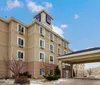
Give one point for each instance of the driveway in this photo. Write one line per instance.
(79, 82)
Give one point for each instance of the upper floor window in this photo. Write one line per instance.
(42, 56)
(42, 43)
(58, 51)
(20, 55)
(51, 36)
(52, 59)
(65, 45)
(20, 42)
(42, 31)
(59, 41)
(41, 71)
(51, 47)
(65, 52)
(21, 29)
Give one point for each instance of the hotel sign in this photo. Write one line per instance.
(48, 19)
(38, 17)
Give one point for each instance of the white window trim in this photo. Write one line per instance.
(64, 45)
(39, 56)
(50, 61)
(22, 39)
(23, 54)
(53, 47)
(43, 41)
(43, 72)
(18, 28)
(65, 51)
(60, 50)
(42, 28)
(50, 36)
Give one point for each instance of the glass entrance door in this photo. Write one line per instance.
(67, 74)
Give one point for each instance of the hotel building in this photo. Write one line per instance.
(32, 43)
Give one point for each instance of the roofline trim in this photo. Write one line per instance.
(28, 25)
(78, 54)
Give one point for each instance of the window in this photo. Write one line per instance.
(52, 59)
(41, 71)
(65, 44)
(20, 42)
(20, 55)
(58, 51)
(59, 41)
(65, 52)
(21, 29)
(42, 56)
(42, 43)
(51, 37)
(42, 31)
(51, 47)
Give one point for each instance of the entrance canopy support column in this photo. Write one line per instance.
(71, 70)
(60, 67)
(76, 70)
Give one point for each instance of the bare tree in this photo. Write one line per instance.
(14, 65)
(46, 68)
(90, 72)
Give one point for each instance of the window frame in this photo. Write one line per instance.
(43, 33)
(50, 48)
(60, 51)
(42, 72)
(52, 36)
(64, 52)
(51, 62)
(18, 41)
(23, 55)
(65, 45)
(39, 43)
(39, 56)
(23, 29)
(59, 41)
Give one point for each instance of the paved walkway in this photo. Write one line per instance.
(60, 82)
(79, 82)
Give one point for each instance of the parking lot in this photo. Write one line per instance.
(80, 82)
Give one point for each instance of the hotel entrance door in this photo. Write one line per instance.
(67, 74)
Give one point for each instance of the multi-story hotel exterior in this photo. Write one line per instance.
(32, 43)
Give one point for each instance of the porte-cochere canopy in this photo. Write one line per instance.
(77, 57)
(83, 56)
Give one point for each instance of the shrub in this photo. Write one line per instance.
(25, 74)
(56, 75)
(8, 78)
(22, 80)
(51, 77)
(57, 71)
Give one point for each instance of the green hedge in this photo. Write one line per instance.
(51, 77)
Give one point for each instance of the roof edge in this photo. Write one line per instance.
(44, 12)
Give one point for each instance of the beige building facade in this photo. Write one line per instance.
(33, 43)
(95, 72)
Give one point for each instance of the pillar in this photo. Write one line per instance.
(60, 67)
(76, 70)
(71, 70)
